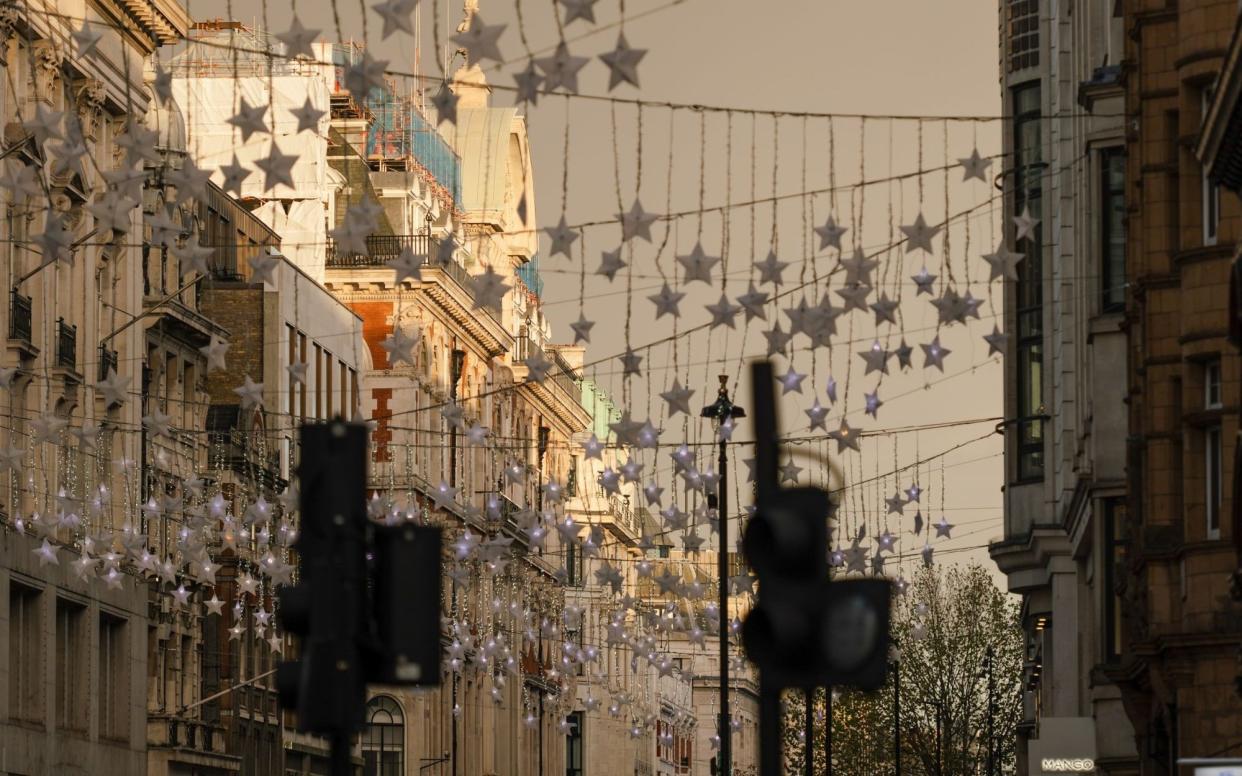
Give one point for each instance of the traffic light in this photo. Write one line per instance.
(805, 631)
(406, 574)
(329, 608)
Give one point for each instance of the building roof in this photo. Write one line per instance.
(482, 137)
(1220, 142)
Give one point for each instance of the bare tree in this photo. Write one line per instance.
(949, 627)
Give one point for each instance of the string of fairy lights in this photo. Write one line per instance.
(104, 511)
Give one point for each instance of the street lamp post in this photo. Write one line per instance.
(719, 411)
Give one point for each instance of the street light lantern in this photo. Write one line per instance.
(723, 407)
(719, 411)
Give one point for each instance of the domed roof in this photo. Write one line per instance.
(166, 121)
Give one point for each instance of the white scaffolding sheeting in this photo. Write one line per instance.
(295, 212)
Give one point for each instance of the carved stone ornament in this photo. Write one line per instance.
(47, 72)
(8, 27)
(89, 98)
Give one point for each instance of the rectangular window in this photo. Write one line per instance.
(343, 373)
(317, 411)
(1022, 19)
(1029, 377)
(573, 745)
(1211, 386)
(573, 564)
(70, 665)
(25, 654)
(1114, 514)
(1211, 191)
(302, 389)
(1113, 229)
(113, 692)
(291, 335)
(1212, 479)
(328, 402)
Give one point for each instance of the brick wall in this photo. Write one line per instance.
(237, 307)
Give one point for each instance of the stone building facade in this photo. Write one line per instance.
(1181, 630)
(1065, 425)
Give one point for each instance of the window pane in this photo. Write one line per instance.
(1113, 232)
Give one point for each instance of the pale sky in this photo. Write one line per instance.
(902, 57)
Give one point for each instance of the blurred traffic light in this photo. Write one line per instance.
(367, 604)
(328, 608)
(805, 630)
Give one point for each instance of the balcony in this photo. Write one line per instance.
(20, 316)
(562, 374)
(107, 362)
(383, 248)
(66, 345)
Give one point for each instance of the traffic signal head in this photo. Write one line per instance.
(806, 631)
(406, 575)
(328, 608)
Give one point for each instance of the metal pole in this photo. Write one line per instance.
(722, 516)
(769, 729)
(809, 732)
(991, 740)
(897, 715)
(341, 754)
(828, 731)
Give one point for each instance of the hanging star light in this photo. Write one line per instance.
(1003, 263)
(846, 437)
(610, 264)
(114, 388)
(791, 381)
(667, 302)
(248, 119)
(563, 239)
(723, 312)
(308, 117)
(582, 329)
(277, 168)
(234, 175)
(623, 63)
(997, 341)
(529, 82)
(919, 235)
(698, 265)
(298, 39)
(678, 398)
(771, 269)
(975, 166)
(934, 354)
(561, 69)
(630, 362)
(876, 358)
(480, 40)
(445, 101)
(1025, 225)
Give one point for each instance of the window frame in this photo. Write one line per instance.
(1112, 282)
(1028, 290)
(383, 704)
(1209, 189)
(1113, 514)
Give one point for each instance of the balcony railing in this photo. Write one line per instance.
(107, 361)
(562, 373)
(20, 316)
(383, 248)
(66, 344)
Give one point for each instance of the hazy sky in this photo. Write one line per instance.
(823, 56)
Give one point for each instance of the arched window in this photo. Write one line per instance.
(383, 742)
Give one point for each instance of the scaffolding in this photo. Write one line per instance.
(219, 48)
(400, 137)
